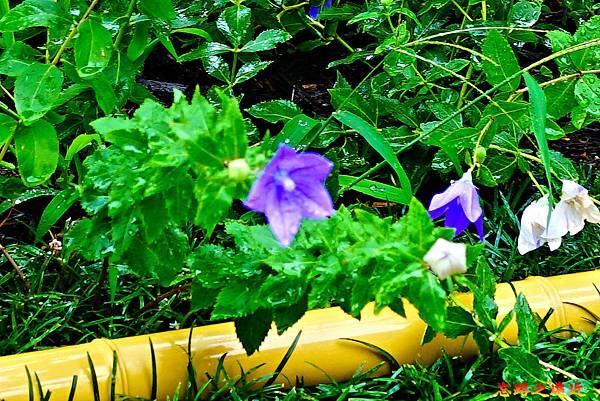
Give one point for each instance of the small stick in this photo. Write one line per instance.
(15, 266)
(168, 294)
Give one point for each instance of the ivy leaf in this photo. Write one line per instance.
(503, 62)
(275, 111)
(252, 329)
(36, 147)
(37, 90)
(266, 40)
(93, 48)
(522, 366)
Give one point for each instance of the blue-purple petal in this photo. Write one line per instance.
(456, 218)
(314, 201)
(313, 12)
(479, 227)
(283, 215)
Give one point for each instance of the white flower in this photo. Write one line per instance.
(574, 209)
(446, 258)
(533, 232)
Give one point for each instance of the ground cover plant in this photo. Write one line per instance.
(173, 163)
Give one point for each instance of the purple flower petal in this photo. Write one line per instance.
(327, 4)
(440, 200)
(456, 218)
(469, 201)
(308, 166)
(283, 216)
(314, 201)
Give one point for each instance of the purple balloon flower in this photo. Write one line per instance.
(314, 11)
(460, 204)
(291, 187)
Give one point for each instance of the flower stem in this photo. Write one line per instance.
(73, 32)
(123, 26)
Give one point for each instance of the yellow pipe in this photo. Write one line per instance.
(319, 344)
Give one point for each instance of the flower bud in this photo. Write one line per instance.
(238, 170)
(446, 258)
(480, 154)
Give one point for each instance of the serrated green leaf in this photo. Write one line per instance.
(526, 322)
(235, 23)
(587, 92)
(560, 98)
(503, 62)
(522, 366)
(275, 111)
(252, 330)
(427, 294)
(250, 70)
(458, 322)
(266, 40)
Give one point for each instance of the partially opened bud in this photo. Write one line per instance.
(446, 258)
(238, 170)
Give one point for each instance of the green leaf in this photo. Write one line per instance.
(428, 296)
(217, 67)
(587, 92)
(563, 167)
(235, 23)
(296, 130)
(93, 48)
(250, 70)
(537, 110)
(375, 189)
(522, 366)
(458, 322)
(380, 144)
(252, 330)
(7, 128)
(80, 142)
(266, 40)
(275, 111)
(16, 59)
(560, 98)
(36, 147)
(504, 63)
(31, 13)
(57, 207)
(37, 90)
(159, 9)
(139, 40)
(528, 330)
(103, 92)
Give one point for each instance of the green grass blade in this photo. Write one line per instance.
(29, 385)
(284, 360)
(389, 358)
(95, 386)
(381, 145)
(113, 378)
(537, 111)
(154, 391)
(73, 388)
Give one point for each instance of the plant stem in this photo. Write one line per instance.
(74, 30)
(123, 26)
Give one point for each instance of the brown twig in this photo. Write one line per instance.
(15, 266)
(174, 291)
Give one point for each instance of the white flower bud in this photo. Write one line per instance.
(447, 258)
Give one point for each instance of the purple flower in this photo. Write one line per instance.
(313, 11)
(460, 204)
(291, 187)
